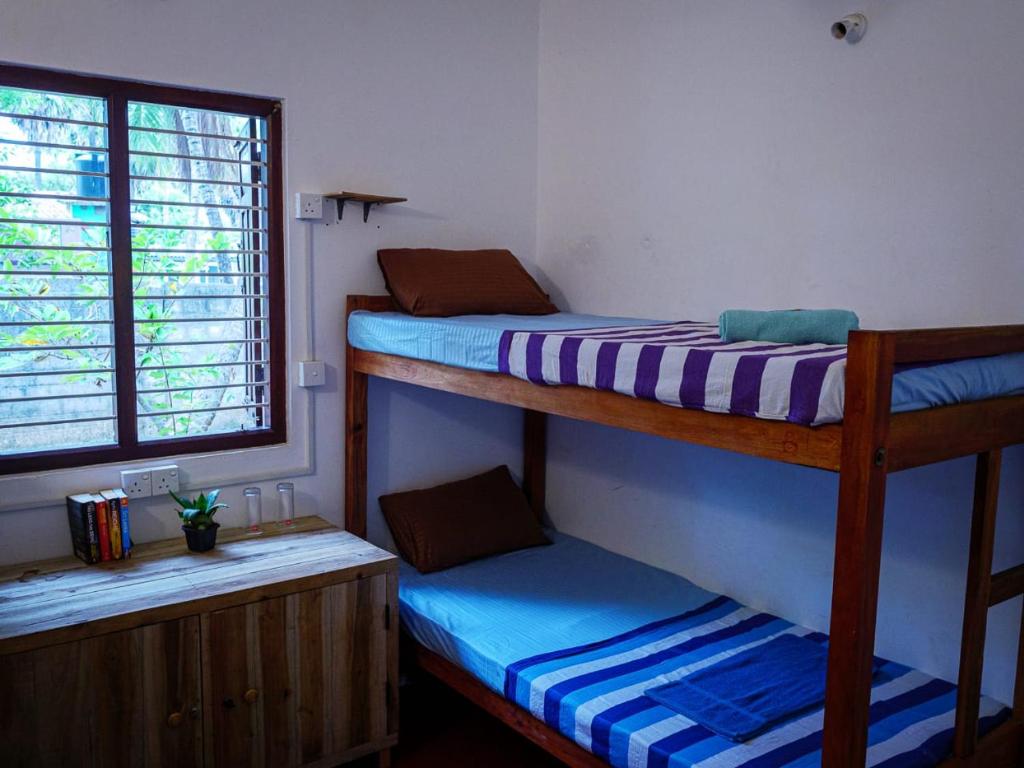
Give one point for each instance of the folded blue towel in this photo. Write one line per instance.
(749, 693)
(788, 326)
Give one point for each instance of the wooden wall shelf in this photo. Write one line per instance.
(361, 197)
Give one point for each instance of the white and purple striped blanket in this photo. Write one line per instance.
(686, 364)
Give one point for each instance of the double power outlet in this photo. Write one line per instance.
(150, 481)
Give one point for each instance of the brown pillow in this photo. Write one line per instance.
(454, 523)
(429, 282)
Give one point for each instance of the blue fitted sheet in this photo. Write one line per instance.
(486, 614)
(466, 341)
(581, 633)
(471, 341)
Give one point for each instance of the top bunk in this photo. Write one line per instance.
(934, 394)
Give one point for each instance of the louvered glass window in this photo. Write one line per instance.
(141, 311)
(57, 353)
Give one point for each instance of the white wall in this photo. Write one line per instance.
(699, 155)
(434, 100)
(692, 156)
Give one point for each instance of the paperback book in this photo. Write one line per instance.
(99, 526)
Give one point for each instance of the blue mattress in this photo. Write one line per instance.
(466, 341)
(472, 341)
(571, 632)
(538, 600)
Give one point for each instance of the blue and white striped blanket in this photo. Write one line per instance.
(687, 364)
(594, 695)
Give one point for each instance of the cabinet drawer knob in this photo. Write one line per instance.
(251, 695)
(174, 719)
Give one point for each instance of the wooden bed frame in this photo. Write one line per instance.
(864, 449)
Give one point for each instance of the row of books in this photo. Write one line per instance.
(99, 525)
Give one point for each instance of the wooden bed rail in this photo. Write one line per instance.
(870, 444)
(933, 344)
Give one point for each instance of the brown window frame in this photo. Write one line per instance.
(118, 93)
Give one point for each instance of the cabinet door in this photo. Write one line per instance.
(298, 679)
(125, 699)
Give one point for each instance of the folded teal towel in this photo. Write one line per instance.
(789, 326)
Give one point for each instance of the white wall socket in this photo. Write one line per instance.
(309, 205)
(150, 481)
(165, 479)
(137, 483)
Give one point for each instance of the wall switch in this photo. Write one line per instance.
(309, 205)
(137, 483)
(312, 373)
(165, 479)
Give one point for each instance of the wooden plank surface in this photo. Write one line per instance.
(171, 693)
(393, 632)
(355, 428)
(356, 399)
(858, 550)
(1018, 688)
(358, 673)
(937, 434)
(305, 681)
(228, 645)
(1000, 748)
(931, 344)
(535, 454)
(517, 718)
(125, 698)
(781, 441)
(976, 602)
(1007, 585)
(57, 601)
(365, 197)
(155, 550)
(917, 438)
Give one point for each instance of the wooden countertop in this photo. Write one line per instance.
(63, 600)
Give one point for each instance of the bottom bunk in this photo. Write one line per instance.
(577, 637)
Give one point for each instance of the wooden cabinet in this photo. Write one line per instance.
(132, 697)
(305, 676)
(286, 656)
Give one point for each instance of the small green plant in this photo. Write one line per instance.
(198, 512)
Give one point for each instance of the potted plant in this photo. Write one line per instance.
(197, 520)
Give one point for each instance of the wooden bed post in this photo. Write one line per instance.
(356, 386)
(976, 602)
(535, 453)
(1018, 686)
(862, 477)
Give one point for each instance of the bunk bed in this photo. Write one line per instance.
(870, 443)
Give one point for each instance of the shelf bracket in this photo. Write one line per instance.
(367, 200)
(366, 209)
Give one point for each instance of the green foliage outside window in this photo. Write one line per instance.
(70, 335)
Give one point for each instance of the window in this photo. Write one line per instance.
(141, 271)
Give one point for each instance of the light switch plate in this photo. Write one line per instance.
(312, 373)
